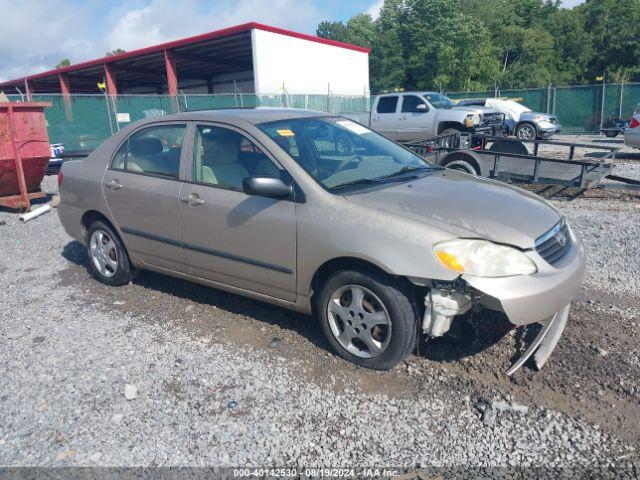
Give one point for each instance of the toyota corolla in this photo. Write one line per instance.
(377, 243)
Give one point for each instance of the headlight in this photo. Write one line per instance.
(482, 258)
(472, 120)
(541, 118)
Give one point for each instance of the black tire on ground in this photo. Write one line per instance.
(124, 271)
(461, 161)
(526, 131)
(395, 298)
(611, 133)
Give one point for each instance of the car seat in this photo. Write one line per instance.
(220, 157)
(146, 156)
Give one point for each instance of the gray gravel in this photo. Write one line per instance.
(610, 230)
(155, 374)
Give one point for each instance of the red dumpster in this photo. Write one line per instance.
(24, 152)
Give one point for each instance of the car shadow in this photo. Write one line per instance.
(299, 323)
(469, 335)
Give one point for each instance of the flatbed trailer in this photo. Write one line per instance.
(513, 161)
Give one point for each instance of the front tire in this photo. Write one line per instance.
(526, 131)
(368, 318)
(108, 259)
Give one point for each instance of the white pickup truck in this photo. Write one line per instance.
(409, 116)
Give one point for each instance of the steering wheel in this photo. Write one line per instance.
(347, 161)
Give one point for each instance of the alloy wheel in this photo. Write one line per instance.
(103, 253)
(359, 321)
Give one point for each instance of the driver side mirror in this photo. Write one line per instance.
(271, 187)
(421, 108)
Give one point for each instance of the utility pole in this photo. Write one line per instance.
(603, 99)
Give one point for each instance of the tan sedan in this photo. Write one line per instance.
(378, 243)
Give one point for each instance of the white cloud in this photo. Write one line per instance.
(374, 10)
(164, 20)
(37, 34)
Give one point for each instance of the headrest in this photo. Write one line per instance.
(146, 146)
(219, 150)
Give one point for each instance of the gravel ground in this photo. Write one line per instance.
(162, 372)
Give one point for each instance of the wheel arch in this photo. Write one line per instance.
(347, 263)
(91, 216)
(526, 122)
(461, 155)
(442, 126)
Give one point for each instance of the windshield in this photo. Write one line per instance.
(438, 100)
(340, 154)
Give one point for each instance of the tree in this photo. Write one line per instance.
(117, 51)
(65, 62)
(480, 44)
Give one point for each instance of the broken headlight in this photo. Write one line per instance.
(482, 258)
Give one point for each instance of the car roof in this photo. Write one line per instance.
(251, 115)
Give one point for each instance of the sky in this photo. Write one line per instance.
(37, 34)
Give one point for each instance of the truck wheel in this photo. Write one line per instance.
(461, 161)
(108, 259)
(448, 131)
(368, 318)
(526, 131)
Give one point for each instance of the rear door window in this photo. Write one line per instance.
(153, 151)
(387, 104)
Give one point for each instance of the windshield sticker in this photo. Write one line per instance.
(285, 133)
(354, 127)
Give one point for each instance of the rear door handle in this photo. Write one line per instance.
(194, 200)
(113, 185)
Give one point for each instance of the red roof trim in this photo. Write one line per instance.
(225, 32)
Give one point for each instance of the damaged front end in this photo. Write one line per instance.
(445, 301)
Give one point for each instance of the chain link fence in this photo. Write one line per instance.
(579, 108)
(84, 121)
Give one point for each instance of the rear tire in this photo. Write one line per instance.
(368, 318)
(108, 259)
(462, 162)
(611, 133)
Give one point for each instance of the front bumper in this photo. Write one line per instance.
(546, 132)
(545, 342)
(534, 298)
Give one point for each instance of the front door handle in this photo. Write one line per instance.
(113, 185)
(194, 200)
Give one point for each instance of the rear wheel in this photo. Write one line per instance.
(108, 259)
(368, 318)
(526, 131)
(611, 133)
(462, 162)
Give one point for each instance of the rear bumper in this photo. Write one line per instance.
(71, 219)
(535, 298)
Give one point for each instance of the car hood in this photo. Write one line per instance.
(466, 206)
(532, 115)
(476, 109)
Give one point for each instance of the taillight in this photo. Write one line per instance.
(634, 123)
(60, 178)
